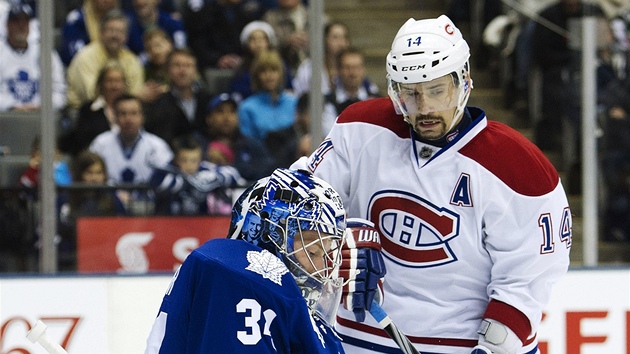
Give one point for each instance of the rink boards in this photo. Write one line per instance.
(588, 313)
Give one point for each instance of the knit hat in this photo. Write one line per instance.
(262, 26)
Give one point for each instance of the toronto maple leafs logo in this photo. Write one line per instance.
(23, 87)
(267, 265)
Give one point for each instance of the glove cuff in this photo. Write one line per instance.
(498, 337)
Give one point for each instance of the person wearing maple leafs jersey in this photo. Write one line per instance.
(272, 286)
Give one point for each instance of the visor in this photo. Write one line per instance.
(436, 95)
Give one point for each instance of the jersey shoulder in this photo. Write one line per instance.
(513, 159)
(248, 264)
(376, 111)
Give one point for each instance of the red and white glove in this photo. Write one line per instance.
(362, 267)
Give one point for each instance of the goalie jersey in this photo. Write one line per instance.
(479, 228)
(230, 296)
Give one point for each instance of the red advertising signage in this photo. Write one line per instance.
(142, 244)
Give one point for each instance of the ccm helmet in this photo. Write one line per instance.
(274, 214)
(426, 50)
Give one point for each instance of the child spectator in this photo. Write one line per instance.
(185, 186)
(226, 145)
(88, 170)
(158, 46)
(30, 178)
(146, 14)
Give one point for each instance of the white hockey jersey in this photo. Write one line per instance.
(135, 165)
(480, 228)
(20, 78)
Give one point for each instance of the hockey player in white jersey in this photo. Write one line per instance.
(247, 294)
(475, 223)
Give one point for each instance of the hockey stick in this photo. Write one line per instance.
(392, 330)
(38, 334)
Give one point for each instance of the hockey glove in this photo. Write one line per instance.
(362, 267)
(495, 337)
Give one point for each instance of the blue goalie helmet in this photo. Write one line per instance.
(299, 218)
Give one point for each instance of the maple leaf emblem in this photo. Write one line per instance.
(267, 265)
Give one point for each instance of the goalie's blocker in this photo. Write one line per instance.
(362, 267)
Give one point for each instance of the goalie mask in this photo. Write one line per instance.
(428, 70)
(301, 219)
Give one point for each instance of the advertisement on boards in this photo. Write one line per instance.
(588, 313)
(137, 245)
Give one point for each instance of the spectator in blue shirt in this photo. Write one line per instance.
(269, 113)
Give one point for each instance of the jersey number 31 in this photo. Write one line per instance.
(253, 335)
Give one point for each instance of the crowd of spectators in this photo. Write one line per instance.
(542, 40)
(130, 84)
(130, 77)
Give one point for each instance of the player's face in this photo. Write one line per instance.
(431, 106)
(94, 174)
(310, 251)
(188, 160)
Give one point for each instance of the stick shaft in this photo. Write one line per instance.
(51, 346)
(38, 334)
(392, 330)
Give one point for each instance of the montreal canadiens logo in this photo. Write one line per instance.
(415, 233)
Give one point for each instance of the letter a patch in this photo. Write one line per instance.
(461, 193)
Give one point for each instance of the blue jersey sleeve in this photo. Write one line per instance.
(232, 297)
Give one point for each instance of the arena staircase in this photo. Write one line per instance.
(372, 26)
